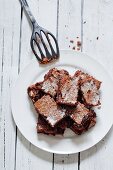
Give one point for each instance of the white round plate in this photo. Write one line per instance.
(26, 118)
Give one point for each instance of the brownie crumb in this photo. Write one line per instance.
(97, 38)
(78, 43)
(73, 48)
(84, 22)
(77, 37)
(71, 41)
(69, 46)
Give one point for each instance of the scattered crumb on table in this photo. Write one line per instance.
(78, 43)
(97, 38)
(71, 41)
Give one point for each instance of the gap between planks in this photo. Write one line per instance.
(18, 73)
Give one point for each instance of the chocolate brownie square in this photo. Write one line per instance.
(51, 81)
(84, 76)
(68, 91)
(90, 91)
(79, 129)
(82, 122)
(48, 108)
(89, 87)
(82, 117)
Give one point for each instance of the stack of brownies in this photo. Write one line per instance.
(64, 101)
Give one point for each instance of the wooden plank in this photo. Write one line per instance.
(9, 43)
(66, 162)
(97, 42)
(28, 156)
(69, 32)
(69, 24)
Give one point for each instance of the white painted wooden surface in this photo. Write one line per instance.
(75, 20)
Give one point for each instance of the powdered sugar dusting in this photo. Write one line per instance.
(79, 112)
(50, 87)
(70, 91)
(88, 86)
(53, 118)
(90, 92)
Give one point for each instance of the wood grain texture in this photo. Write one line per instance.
(9, 48)
(66, 162)
(69, 24)
(97, 42)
